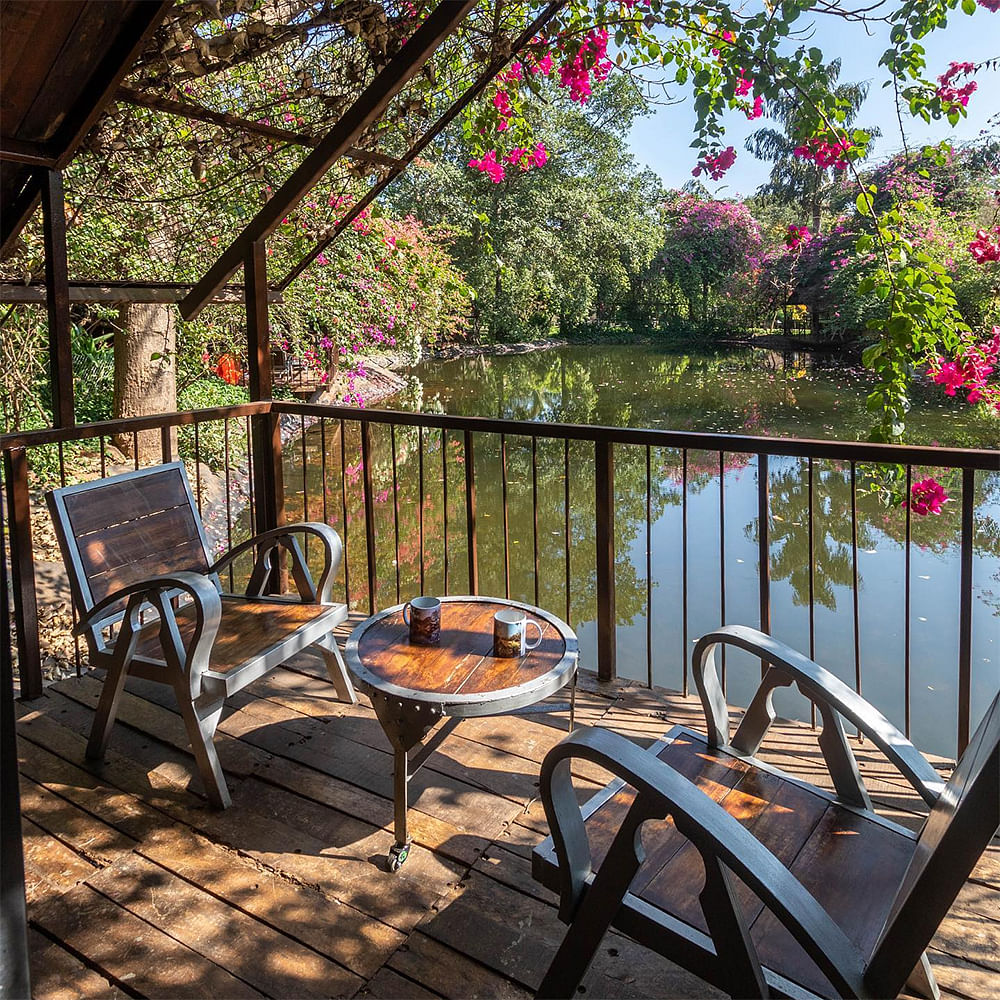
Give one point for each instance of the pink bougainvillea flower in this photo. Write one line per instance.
(951, 94)
(993, 5)
(757, 110)
(540, 155)
(543, 65)
(926, 497)
(824, 153)
(985, 248)
(715, 165)
(951, 376)
(796, 236)
(489, 166)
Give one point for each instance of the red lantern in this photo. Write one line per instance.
(229, 370)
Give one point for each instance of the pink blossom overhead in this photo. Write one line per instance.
(715, 165)
(824, 153)
(757, 110)
(489, 166)
(951, 94)
(993, 5)
(590, 59)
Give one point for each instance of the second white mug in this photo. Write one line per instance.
(510, 633)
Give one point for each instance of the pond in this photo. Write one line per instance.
(419, 547)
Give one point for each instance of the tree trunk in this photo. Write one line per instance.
(145, 372)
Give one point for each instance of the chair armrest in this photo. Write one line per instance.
(829, 693)
(284, 537)
(156, 593)
(661, 792)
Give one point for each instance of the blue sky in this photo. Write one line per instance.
(661, 140)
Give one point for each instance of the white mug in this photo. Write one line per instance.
(423, 615)
(510, 628)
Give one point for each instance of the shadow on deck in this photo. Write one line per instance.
(136, 888)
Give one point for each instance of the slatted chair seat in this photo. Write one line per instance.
(757, 881)
(248, 630)
(150, 602)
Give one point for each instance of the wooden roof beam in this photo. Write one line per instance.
(226, 120)
(18, 293)
(105, 81)
(440, 23)
(81, 116)
(494, 67)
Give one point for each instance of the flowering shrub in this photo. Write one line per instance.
(706, 245)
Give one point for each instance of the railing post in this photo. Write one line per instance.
(14, 973)
(607, 619)
(23, 572)
(764, 547)
(366, 462)
(57, 299)
(470, 512)
(965, 612)
(265, 429)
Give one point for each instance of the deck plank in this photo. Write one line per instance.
(138, 888)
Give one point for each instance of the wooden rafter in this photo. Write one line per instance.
(198, 113)
(440, 23)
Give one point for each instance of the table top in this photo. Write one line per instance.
(460, 675)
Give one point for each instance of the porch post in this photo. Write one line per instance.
(14, 978)
(268, 481)
(22, 563)
(57, 298)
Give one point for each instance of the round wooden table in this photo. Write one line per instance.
(413, 688)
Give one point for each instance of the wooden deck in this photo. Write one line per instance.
(136, 888)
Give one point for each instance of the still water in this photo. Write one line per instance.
(736, 392)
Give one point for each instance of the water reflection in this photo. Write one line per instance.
(420, 516)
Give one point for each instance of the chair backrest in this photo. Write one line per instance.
(116, 531)
(957, 831)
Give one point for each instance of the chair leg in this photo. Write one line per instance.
(922, 981)
(201, 719)
(107, 708)
(337, 669)
(597, 910)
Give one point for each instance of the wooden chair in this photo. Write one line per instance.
(758, 882)
(136, 549)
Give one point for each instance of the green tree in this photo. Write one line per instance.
(548, 249)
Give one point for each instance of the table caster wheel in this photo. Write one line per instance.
(398, 853)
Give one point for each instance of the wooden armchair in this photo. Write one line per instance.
(758, 882)
(135, 549)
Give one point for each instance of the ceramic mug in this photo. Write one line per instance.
(423, 615)
(510, 628)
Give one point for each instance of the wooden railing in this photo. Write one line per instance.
(342, 465)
